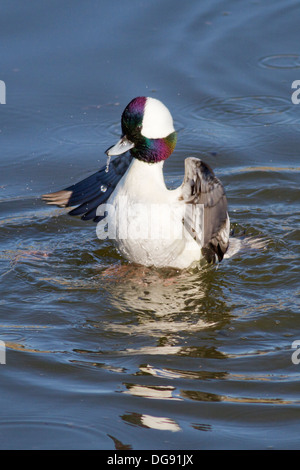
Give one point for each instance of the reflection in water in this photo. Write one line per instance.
(181, 374)
(213, 397)
(162, 292)
(152, 350)
(154, 391)
(21, 347)
(166, 301)
(136, 353)
(118, 444)
(162, 423)
(172, 393)
(152, 422)
(202, 427)
(156, 328)
(200, 396)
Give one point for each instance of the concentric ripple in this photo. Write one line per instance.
(248, 110)
(280, 61)
(44, 432)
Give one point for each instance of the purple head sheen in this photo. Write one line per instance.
(161, 149)
(147, 149)
(132, 116)
(137, 105)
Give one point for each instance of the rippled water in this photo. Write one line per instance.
(99, 353)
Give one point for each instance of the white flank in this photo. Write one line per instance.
(145, 219)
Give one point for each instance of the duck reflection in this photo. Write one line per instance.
(161, 423)
(166, 302)
(155, 392)
(166, 313)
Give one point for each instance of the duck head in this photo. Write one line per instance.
(147, 131)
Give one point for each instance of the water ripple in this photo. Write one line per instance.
(246, 110)
(280, 61)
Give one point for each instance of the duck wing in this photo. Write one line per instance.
(91, 192)
(205, 216)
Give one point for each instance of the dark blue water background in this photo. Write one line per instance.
(103, 358)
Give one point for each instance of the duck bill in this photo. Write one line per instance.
(122, 146)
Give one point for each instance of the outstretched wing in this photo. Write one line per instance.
(205, 216)
(91, 192)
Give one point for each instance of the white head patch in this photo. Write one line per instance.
(157, 121)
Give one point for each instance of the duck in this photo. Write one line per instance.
(149, 223)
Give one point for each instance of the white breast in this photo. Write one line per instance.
(145, 219)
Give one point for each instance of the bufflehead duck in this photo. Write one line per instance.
(151, 224)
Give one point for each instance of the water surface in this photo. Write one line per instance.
(100, 354)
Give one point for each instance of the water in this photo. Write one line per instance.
(100, 354)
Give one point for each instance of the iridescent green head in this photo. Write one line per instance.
(147, 131)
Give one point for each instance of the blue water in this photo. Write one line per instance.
(100, 354)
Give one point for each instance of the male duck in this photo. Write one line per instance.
(152, 225)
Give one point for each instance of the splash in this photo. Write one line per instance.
(107, 163)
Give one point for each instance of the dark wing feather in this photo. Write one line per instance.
(87, 195)
(206, 217)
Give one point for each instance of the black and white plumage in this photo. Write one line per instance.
(203, 191)
(151, 224)
(91, 192)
